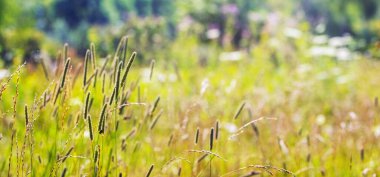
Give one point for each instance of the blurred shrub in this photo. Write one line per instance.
(153, 24)
(23, 45)
(74, 12)
(345, 16)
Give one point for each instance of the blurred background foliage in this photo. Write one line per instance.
(34, 28)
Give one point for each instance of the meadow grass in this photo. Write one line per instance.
(309, 117)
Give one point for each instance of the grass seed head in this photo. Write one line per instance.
(197, 136)
(64, 172)
(101, 124)
(90, 127)
(362, 154)
(155, 120)
(129, 65)
(117, 85)
(112, 96)
(211, 139)
(65, 72)
(86, 58)
(154, 105)
(241, 107)
(26, 115)
(217, 130)
(86, 106)
(93, 55)
(67, 154)
(150, 171)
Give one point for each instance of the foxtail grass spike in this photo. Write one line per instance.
(96, 154)
(211, 139)
(155, 105)
(104, 65)
(67, 154)
(65, 72)
(90, 127)
(362, 154)
(130, 62)
(26, 115)
(150, 171)
(93, 55)
(103, 82)
(96, 78)
(252, 173)
(101, 123)
(179, 171)
(64, 172)
(197, 136)
(217, 130)
(90, 105)
(115, 69)
(154, 122)
(201, 158)
(255, 129)
(117, 53)
(117, 85)
(86, 105)
(112, 96)
(85, 68)
(239, 110)
(57, 94)
(170, 140)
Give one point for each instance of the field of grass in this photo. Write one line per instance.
(282, 114)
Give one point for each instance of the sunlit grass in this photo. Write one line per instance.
(315, 117)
